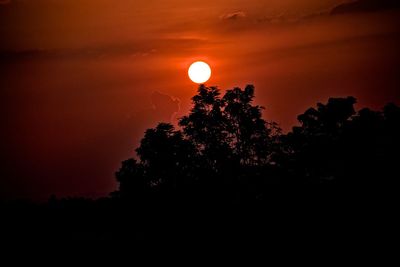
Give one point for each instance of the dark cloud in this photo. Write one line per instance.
(349, 7)
(365, 6)
(233, 15)
(137, 49)
(9, 55)
(4, 2)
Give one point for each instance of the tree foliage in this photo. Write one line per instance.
(224, 144)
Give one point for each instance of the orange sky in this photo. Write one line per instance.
(81, 80)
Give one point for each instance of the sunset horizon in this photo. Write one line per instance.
(110, 106)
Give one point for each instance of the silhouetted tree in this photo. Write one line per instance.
(247, 131)
(226, 149)
(313, 148)
(372, 142)
(132, 182)
(230, 135)
(167, 158)
(206, 127)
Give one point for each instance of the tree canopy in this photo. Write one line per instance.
(224, 145)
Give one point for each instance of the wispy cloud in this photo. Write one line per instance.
(233, 15)
(164, 106)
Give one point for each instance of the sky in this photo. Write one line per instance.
(80, 81)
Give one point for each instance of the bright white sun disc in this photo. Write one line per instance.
(199, 72)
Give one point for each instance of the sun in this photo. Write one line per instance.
(199, 72)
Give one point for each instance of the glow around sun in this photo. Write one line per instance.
(199, 72)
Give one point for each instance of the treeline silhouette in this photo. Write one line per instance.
(226, 174)
(224, 150)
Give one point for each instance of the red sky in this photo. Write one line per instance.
(80, 81)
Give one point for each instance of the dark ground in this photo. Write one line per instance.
(285, 215)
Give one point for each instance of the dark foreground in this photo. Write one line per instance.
(228, 176)
(284, 215)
